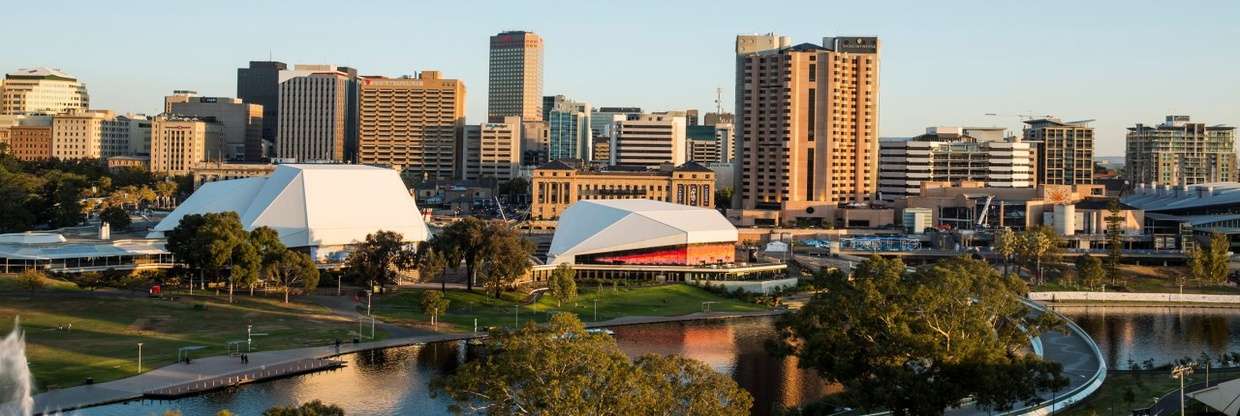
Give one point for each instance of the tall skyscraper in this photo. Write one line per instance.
(806, 123)
(493, 150)
(260, 84)
(516, 77)
(1064, 151)
(314, 112)
(414, 124)
(42, 91)
(648, 140)
(242, 123)
(568, 129)
(1179, 152)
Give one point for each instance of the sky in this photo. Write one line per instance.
(943, 63)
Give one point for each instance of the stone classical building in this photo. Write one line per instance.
(557, 184)
(413, 124)
(1180, 152)
(206, 172)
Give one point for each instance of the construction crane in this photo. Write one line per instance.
(981, 219)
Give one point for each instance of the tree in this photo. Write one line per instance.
(467, 239)
(115, 216)
(1006, 244)
(920, 342)
(723, 198)
(32, 280)
(514, 187)
(313, 408)
(267, 244)
(245, 265)
(1197, 264)
(561, 285)
(208, 243)
(1115, 242)
(431, 266)
(294, 269)
(1089, 269)
(381, 257)
(1036, 246)
(1219, 256)
(563, 370)
(91, 281)
(434, 304)
(165, 192)
(506, 258)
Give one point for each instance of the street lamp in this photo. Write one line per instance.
(368, 294)
(139, 358)
(1181, 372)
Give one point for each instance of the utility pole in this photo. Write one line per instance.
(1182, 372)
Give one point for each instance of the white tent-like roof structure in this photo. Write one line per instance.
(312, 205)
(601, 226)
(1224, 397)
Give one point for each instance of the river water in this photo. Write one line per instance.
(395, 381)
(1159, 333)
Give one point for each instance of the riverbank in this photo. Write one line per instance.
(1130, 298)
(223, 367)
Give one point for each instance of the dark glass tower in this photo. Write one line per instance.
(260, 84)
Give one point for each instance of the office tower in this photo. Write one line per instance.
(535, 138)
(79, 134)
(691, 117)
(314, 110)
(178, 96)
(952, 154)
(714, 118)
(179, 143)
(702, 145)
(602, 151)
(603, 123)
(649, 140)
(125, 135)
(493, 150)
(516, 82)
(1064, 151)
(1180, 152)
(807, 123)
(31, 138)
(413, 124)
(568, 129)
(242, 124)
(42, 91)
(726, 133)
(260, 84)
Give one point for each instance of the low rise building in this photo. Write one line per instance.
(241, 124)
(557, 185)
(953, 154)
(32, 141)
(493, 150)
(206, 172)
(129, 162)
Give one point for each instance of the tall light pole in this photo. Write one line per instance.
(1182, 372)
(139, 358)
(248, 338)
(368, 294)
(596, 308)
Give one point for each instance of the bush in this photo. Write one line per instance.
(116, 217)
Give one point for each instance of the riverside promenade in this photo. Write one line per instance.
(220, 369)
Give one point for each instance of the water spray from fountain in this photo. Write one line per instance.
(15, 381)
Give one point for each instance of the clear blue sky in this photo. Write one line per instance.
(943, 62)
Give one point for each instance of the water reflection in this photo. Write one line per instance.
(1160, 333)
(395, 381)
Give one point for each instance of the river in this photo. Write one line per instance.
(395, 381)
(1159, 333)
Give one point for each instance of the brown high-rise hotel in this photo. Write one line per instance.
(806, 125)
(516, 76)
(413, 124)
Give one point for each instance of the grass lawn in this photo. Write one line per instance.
(107, 327)
(663, 300)
(1150, 279)
(1146, 387)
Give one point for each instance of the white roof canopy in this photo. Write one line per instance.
(312, 205)
(600, 226)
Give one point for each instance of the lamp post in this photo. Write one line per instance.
(596, 308)
(1181, 372)
(139, 358)
(368, 294)
(248, 337)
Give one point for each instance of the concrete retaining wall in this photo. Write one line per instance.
(1132, 297)
(751, 286)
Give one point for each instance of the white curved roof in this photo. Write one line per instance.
(312, 205)
(30, 237)
(600, 226)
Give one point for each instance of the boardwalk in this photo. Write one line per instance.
(288, 369)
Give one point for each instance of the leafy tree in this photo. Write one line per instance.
(246, 265)
(381, 257)
(1115, 242)
(116, 217)
(1219, 258)
(63, 193)
(267, 244)
(561, 285)
(20, 200)
(434, 304)
(431, 265)
(506, 258)
(294, 269)
(466, 239)
(1090, 270)
(165, 192)
(314, 408)
(208, 243)
(1197, 264)
(920, 342)
(563, 370)
(515, 187)
(1037, 246)
(91, 281)
(723, 197)
(1006, 244)
(32, 280)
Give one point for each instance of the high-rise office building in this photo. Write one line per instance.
(807, 123)
(413, 124)
(242, 123)
(516, 71)
(179, 143)
(1064, 151)
(125, 135)
(568, 129)
(714, 118)
(703, 145)
(691, 117)
(178, 96)
(953, 154)
(79, 134)
(493, 150)
(42, 91)
(260, 84)
(649, 140)
(1180, 152)
(315, 112)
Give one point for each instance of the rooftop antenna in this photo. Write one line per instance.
(718, 101)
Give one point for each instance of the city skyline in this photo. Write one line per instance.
(942, 65)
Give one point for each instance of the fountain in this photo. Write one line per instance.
(15, 380)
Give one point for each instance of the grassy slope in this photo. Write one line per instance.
(665, 300)
(1146, 388)
(1152, 279)
(106, 329)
